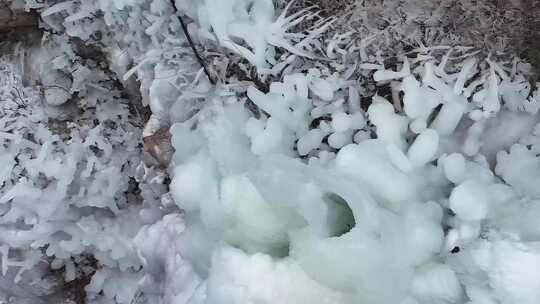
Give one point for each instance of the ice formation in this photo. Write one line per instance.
(382, 200)
(294, 183)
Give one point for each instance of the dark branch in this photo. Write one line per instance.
(191, 43)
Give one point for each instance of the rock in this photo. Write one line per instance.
(16, 18)
(159, 147)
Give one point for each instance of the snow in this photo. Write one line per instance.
(512, 275)
(454, 167)
(469, 201)
(518, 167)
(424, 148)
(367, 162)
(399, 159)
(339, 139)
(193, 182)
(390, 126)
(310, 141)
(341, 121)
(247, 229)
(449, 117)
(418, 102)
(436, 283)
(502, 131)
(239, 278)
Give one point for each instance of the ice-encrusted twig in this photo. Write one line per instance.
(191, 43)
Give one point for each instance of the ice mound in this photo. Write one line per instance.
(410, 209)
(308, 223)
(305, 170)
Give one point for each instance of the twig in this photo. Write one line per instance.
(191, 44)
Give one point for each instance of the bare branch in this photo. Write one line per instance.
(192, 44)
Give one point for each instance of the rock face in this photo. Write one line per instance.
(19, 31)
(15, 19)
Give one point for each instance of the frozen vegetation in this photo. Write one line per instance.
(354, 152)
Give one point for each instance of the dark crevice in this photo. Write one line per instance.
(340, 216)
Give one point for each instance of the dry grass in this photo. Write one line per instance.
(329, 8)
